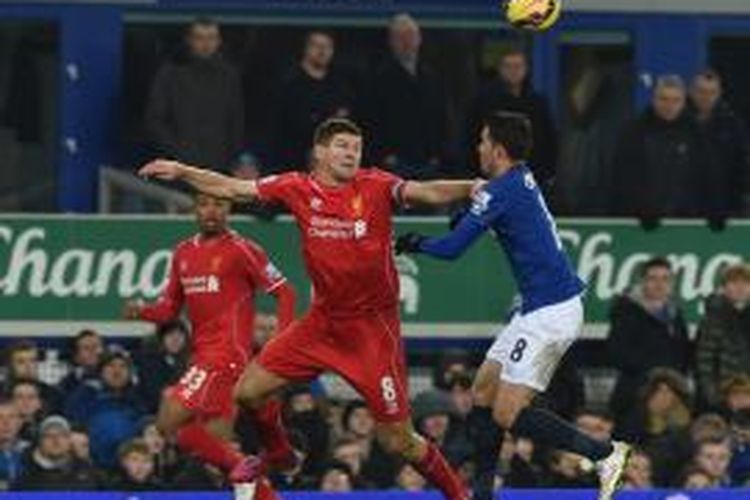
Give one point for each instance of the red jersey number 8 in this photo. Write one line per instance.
(389, 389)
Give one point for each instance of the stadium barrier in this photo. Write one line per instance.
(737, 494)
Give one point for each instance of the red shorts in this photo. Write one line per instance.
(367, 351)
(208, 390)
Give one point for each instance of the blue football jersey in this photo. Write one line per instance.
(513, 208)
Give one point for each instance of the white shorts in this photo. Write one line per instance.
(531, 345)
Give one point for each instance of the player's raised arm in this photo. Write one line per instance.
(438, 192)
(201, 179)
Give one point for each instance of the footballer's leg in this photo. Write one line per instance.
(371, 358)
(255, 393)
(485, 433)
(400, 438)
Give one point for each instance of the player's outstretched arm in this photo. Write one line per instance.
(438, 192)
(201, 179)
(447, 247)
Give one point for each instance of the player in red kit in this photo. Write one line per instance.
(216, 274)
(352, 328)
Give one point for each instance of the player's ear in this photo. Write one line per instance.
(499, 152)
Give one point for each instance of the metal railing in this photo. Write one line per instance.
(137, 192)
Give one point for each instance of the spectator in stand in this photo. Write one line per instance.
(337, 478)
(713, 458)
(306, 423)
(565, 470)
(647, 330)
(723, 344)
(86, 352)
(735, 393)
(52, 465)
(638, 472)
(436, 418)
(659, 423)
(348, 451)
(596, 423)
(12, 447)
(26, 397)
(662, 165)
(408, 479)
(163, 359)
(378, 467)
(739, 469)
(408, 111)
(727, 139)
(459, 388)
(512, 91)
(23, 364)
(195, 110)
(137, 468)
(517, 463)
(110, 407)
(452, 364)
(695, 479)
(79, 437)
(309, 94)
(165, 454)
(266, 325)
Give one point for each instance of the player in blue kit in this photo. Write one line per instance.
(523, 358)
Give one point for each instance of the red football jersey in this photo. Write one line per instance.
(216, 279)
(346, 236)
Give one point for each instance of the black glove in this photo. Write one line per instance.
(409, 243)
(456, 218)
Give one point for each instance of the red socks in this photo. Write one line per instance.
(196, 440)
(273, 437)
(436, 469)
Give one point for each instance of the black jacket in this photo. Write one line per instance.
(408, 118)
(664, 169)
(301, 104)
(41, 475)
(495, 97)
(157, 370)
(195, 112)
(727, 140)
(639, 342)
(722, 347)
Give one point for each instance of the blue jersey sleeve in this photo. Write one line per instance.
(485, 209)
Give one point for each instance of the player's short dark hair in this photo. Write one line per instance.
(653, 263)
(331, 127)
(512, 131)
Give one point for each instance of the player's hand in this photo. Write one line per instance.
(166, 170)
(132, 309)
(409, 243)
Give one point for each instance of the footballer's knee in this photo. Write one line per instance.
(510, 401)
(255, 387)
(485, 383)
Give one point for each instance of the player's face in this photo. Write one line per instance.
(341, 157)
(705, 94)
(668, 103)
(489, 153)
(212, 214)
(513, 69)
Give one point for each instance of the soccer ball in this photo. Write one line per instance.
(535, 15)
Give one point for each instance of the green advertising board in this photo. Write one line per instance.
(79, 269)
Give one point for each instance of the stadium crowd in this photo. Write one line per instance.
(685, 155)
(684, 400)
